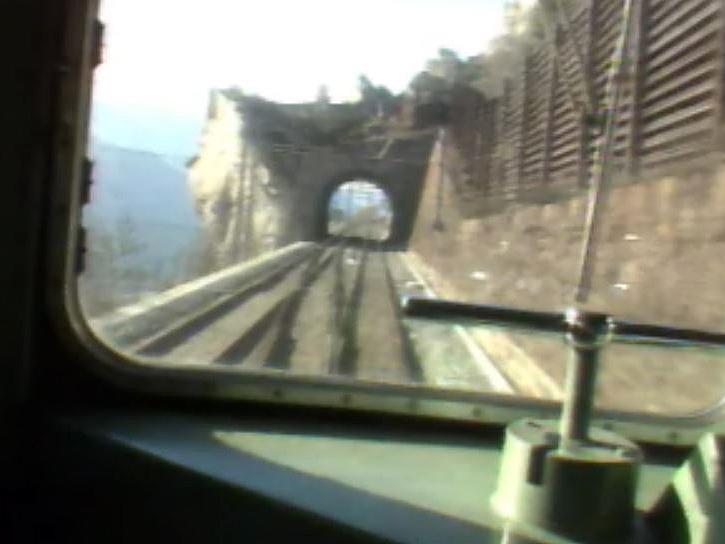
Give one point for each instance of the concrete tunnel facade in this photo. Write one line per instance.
(265, 173)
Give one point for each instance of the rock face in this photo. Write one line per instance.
(221, 181)
(266, 171)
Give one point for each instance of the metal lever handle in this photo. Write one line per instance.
(588, 333)
(554, 322)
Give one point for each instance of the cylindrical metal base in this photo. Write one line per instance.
(585, 494)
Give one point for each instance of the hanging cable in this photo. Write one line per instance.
(438, 223)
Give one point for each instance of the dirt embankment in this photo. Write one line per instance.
(659, 260)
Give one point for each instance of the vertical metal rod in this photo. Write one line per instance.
(438, 223)
(581, 378)
(602, 167)
(588, 333)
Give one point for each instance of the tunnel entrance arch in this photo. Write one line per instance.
(400, 173)
(394, 203)
(359, 209)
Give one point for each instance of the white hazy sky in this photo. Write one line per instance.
(167, 54)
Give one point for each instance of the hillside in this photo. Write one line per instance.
(143, 232)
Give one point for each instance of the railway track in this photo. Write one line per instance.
(321, 310)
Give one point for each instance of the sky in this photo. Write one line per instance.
(165, 55)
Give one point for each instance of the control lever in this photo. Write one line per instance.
(566, 479)
(588, 334)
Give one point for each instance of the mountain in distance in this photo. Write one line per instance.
(141, 204)
(143, 233)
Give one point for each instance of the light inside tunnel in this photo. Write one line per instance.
(360, 209)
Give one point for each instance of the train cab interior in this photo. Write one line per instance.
(100, 449)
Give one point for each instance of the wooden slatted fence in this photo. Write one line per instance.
(672, 107)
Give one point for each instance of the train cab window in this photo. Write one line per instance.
(267, 194)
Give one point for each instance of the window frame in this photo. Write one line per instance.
(65, 236)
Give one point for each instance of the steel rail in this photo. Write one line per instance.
(134, 323)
